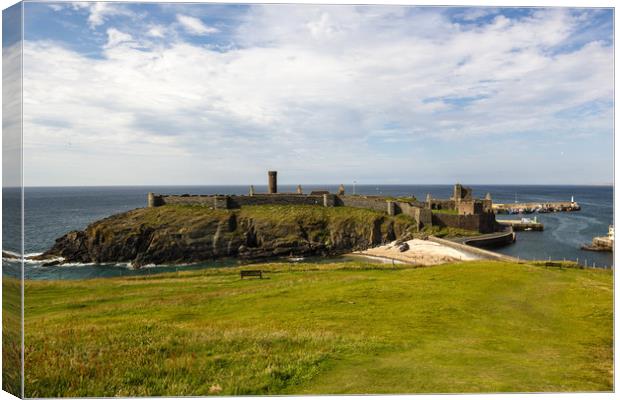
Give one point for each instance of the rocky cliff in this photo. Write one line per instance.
(183, 234)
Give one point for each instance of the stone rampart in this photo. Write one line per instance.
(282, 199)
(225, 201)
(424, 216)
(483, 223)
(198, 200)
(439, 204)
(371, 203)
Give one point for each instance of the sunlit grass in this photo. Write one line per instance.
(322, 328)
(11, 335)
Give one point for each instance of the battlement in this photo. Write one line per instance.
(223, 201)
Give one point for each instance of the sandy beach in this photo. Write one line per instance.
(421, 252)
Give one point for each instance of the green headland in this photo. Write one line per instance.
(477, 326)
(177, 234)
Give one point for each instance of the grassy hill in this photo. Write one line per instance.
(334, 328)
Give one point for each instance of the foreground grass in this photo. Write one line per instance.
(11, 335)
(336, 328)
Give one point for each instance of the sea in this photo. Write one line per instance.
(50, 212)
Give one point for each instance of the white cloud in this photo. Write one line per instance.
(116, 37)
(475, 13)
(195, 26)
(11, 114)
(99, 12)
(311, 91)
(158, 31)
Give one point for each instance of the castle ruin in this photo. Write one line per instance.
(463, 211)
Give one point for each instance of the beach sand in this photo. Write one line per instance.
(421, 252)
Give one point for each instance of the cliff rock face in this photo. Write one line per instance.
(182, 234)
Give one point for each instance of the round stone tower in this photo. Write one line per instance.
(150, 199)
(154, 200)
(273, 182)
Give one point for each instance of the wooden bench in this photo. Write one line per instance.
(252, 272)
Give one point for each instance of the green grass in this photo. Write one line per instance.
(446, 232)
(11, 335)
(276, 213)
(335, 328)
(404, 199)
(446, 211)
(309, 213)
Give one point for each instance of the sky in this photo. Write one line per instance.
(145, 94)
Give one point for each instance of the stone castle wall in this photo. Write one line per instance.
(197, 200)
(440, 204)
(226, 201)
(483, 223)
(424, 216)
(278, 199)
(363, 202)
(471, 207)
(475, 216)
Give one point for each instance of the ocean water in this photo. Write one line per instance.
(53, 211)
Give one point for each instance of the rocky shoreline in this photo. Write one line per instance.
(185, 234)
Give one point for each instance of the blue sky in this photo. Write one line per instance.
(124, 93)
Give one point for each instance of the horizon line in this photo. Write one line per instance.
(315, 184)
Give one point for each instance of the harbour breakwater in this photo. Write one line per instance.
(523, 224)
(534, 207)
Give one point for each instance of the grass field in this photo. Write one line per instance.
(11, 336)
(335, 328)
